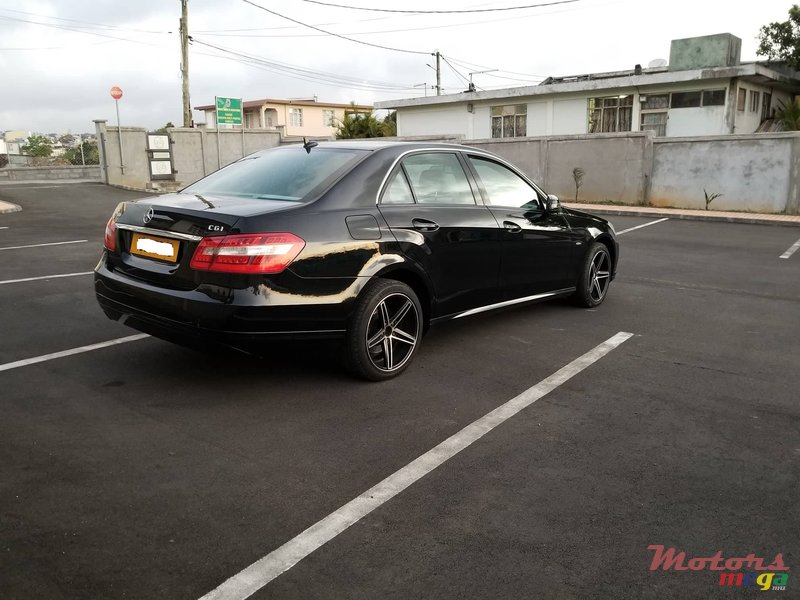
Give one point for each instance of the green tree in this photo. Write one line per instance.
(91, 155)
(789, 115)
(780, 41)
(163, 129)
(366, 125)
(38, 145)
(67, 139)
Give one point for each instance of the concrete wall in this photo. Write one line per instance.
(195, 153)
(755, 172)
(66, 172)
(616, 166)
(752, 172)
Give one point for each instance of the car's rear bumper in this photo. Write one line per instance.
(233, 317)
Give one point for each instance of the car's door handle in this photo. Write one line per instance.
(512, 227)
(424, 225)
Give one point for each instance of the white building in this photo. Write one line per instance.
(705, 90)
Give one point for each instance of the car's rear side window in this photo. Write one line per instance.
(438, 178)
(398, 191)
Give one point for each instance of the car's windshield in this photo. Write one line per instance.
(285, 174)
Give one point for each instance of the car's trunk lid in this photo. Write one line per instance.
(157, 238)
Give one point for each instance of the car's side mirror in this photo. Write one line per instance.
(552, 203)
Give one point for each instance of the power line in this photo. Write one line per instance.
(272, 12)
(440, 12)
(86, 24)
(303, 73)
(73, 29)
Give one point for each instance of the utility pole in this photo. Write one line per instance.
(438, 74)
(187, 109)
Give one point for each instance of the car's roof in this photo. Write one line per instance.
(379, 144)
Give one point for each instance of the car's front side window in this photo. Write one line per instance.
(438, 178)
(503, 186)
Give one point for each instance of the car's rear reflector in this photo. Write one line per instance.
(247, 253)
(110, 236)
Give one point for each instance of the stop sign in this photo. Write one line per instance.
(116, 92)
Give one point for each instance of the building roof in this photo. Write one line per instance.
(763, 73)
(306, 102)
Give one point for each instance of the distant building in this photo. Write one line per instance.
(294, 117)
(704, 90)
(16, 136)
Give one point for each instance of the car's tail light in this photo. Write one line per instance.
(247, 253)
(110, 237)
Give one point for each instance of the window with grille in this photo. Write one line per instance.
(296, 117)
(329, 118)
(510, 121)
(612, 114)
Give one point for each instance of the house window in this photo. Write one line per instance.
(510, 121)
(685, 99)
(329, 118)
(607, 115)
(755, 100)
(741, 100)
(296, 117)
(713, 97)
(697, 99)
(765, 106)
(655, 121)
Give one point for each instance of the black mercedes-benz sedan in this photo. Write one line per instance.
(370, 242)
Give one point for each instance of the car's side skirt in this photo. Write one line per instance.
(481, 309)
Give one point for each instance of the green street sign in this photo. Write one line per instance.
(229, 111)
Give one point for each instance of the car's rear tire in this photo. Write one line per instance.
(595, 277)
(385, 330)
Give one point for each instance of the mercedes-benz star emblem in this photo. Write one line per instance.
(148, 216)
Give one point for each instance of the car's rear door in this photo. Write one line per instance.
(538, 245)
(430, 206)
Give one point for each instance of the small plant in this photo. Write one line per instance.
(710, 197)
(577, 175)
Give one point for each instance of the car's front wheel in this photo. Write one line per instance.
(595, 276)
(385, 330)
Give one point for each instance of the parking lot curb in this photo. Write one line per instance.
(766, 219)
(7, 207)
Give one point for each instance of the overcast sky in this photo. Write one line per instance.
(59, 58)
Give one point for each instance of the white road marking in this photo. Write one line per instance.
(3, 227)
(45, 277)
(644, 225)
(40, 245)
(792, 249)
(261, 572)
(45, 357)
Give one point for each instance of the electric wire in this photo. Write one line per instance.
(441, 12)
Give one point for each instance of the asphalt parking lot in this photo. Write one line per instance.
(141, 469)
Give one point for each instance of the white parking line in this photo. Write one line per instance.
(644, 225)
(38, 359)
(261, 572)
(45, 277)
(792, 249)
(40, 245)
(3, 227)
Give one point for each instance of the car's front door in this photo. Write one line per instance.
(538, 244)
(429, 205)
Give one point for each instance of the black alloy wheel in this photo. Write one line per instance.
(595, 276)
(385, 330)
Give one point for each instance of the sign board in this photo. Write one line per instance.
(229, 111)
(159, 150)
(116, 92)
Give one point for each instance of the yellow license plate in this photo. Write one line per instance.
(156, 247)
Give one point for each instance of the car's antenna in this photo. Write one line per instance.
(309, 145)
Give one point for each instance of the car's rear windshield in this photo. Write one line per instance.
(283, 174)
